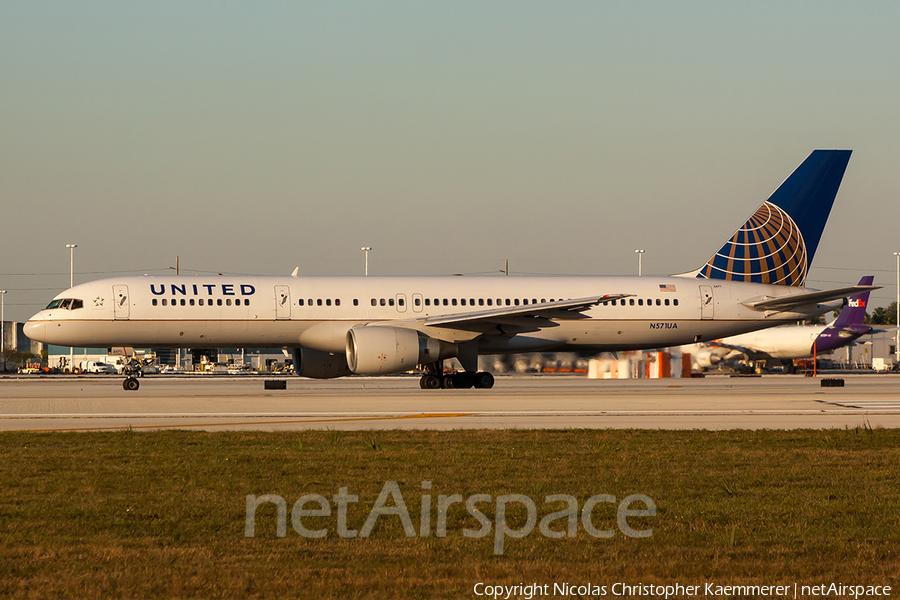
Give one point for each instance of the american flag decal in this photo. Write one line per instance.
(666, 288)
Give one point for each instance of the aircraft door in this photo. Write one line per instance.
(401, 303)
(122, 304)
(707, 302)
(282, 302)
(417, 302)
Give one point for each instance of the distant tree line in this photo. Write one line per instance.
(882, 316)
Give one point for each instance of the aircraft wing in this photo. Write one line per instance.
(783, 303)
(548, 310)
(749, 352)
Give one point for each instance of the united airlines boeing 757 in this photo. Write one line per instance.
(338, 326)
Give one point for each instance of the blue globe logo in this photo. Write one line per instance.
(768, 248)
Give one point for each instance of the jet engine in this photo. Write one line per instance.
(377, 350)
(319, 365)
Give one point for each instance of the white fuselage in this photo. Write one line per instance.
(786, 342)
(317, 312)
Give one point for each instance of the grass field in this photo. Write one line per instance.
(163, 514)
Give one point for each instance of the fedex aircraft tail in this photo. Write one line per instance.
(778, 242)
(852, 314)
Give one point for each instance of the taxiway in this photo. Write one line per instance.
(217, 403)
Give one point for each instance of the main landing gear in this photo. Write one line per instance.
(131, 384)
(457, 381)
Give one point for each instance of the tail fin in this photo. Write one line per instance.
(853, 313)
(777, 243)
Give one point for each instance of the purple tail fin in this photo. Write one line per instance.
(853, 313)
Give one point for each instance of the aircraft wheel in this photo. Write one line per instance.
(430, 382)
(131, 384)
(484, 380)
(463, 381)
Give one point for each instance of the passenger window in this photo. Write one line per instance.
(667, 301)
(508, 302)
(328, 302)
(445, 302)
(382, 302)
(390, 301)
(218, 302)
(463, 301)
(471, 301)
(606, 303)
(153, 302)
(490, 301)
(481, 302)
(356, 302)
(675, 301)
(200, 301)
(427, 301)
(247, 302)
(337, 301)
(631, 301)
(640, 301)
(227, 301)
(525, 301)
(373, 302)
(165, 302)
(418, 301)
(401, 302)
(192, 302)
(658, 302)
(300, 302)
(453, 301)
(517, 301)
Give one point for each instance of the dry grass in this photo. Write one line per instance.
(162, 514)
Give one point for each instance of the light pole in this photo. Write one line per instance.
(366, 250)
(71, 248)
(640, 254)
(897, 339)
(3, 327)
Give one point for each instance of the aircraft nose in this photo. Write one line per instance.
(35, 328)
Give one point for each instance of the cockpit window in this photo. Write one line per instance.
(66, 303)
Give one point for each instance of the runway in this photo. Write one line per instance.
(53, 403)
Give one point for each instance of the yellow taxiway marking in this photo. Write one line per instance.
(282, 422)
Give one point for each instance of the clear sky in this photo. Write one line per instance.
(252, 138)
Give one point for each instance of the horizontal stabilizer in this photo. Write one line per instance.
(784, 303)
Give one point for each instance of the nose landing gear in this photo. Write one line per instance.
(133, 370)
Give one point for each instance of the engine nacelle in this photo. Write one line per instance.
(319, 365)
(377, 350)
